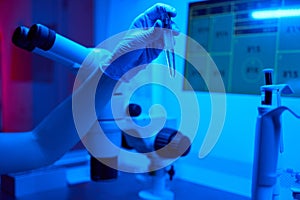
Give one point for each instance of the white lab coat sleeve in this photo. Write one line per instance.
(45, 144)
(51, 139)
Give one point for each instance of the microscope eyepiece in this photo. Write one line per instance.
(41, 36)
(20, 39)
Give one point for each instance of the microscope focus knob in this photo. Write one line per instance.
(134, 110)
(170, 143)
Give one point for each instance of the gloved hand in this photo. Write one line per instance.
(139, 46)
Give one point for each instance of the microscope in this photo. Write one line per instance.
(166, 143)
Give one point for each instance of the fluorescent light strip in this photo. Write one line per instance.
(267, 14)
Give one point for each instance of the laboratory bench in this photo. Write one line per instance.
(125, 186)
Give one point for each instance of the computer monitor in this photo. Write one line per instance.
(242, 46)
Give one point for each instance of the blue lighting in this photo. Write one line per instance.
(278, 13)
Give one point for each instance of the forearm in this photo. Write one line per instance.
(42, 146)
(52, 138)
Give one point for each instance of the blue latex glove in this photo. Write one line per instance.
(135, 49)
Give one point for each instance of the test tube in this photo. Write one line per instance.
(169, 45)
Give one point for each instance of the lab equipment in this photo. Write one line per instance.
(158, 189)
(228, 28)
(167, 143)
(58, 129)
(169, 44)
(296, 193)
(44, 40)
(292, 182)
(268, 139)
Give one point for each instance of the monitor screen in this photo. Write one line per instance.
(242, 44)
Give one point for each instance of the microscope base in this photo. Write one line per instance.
(149, 195)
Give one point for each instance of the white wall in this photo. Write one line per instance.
(237, 139)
